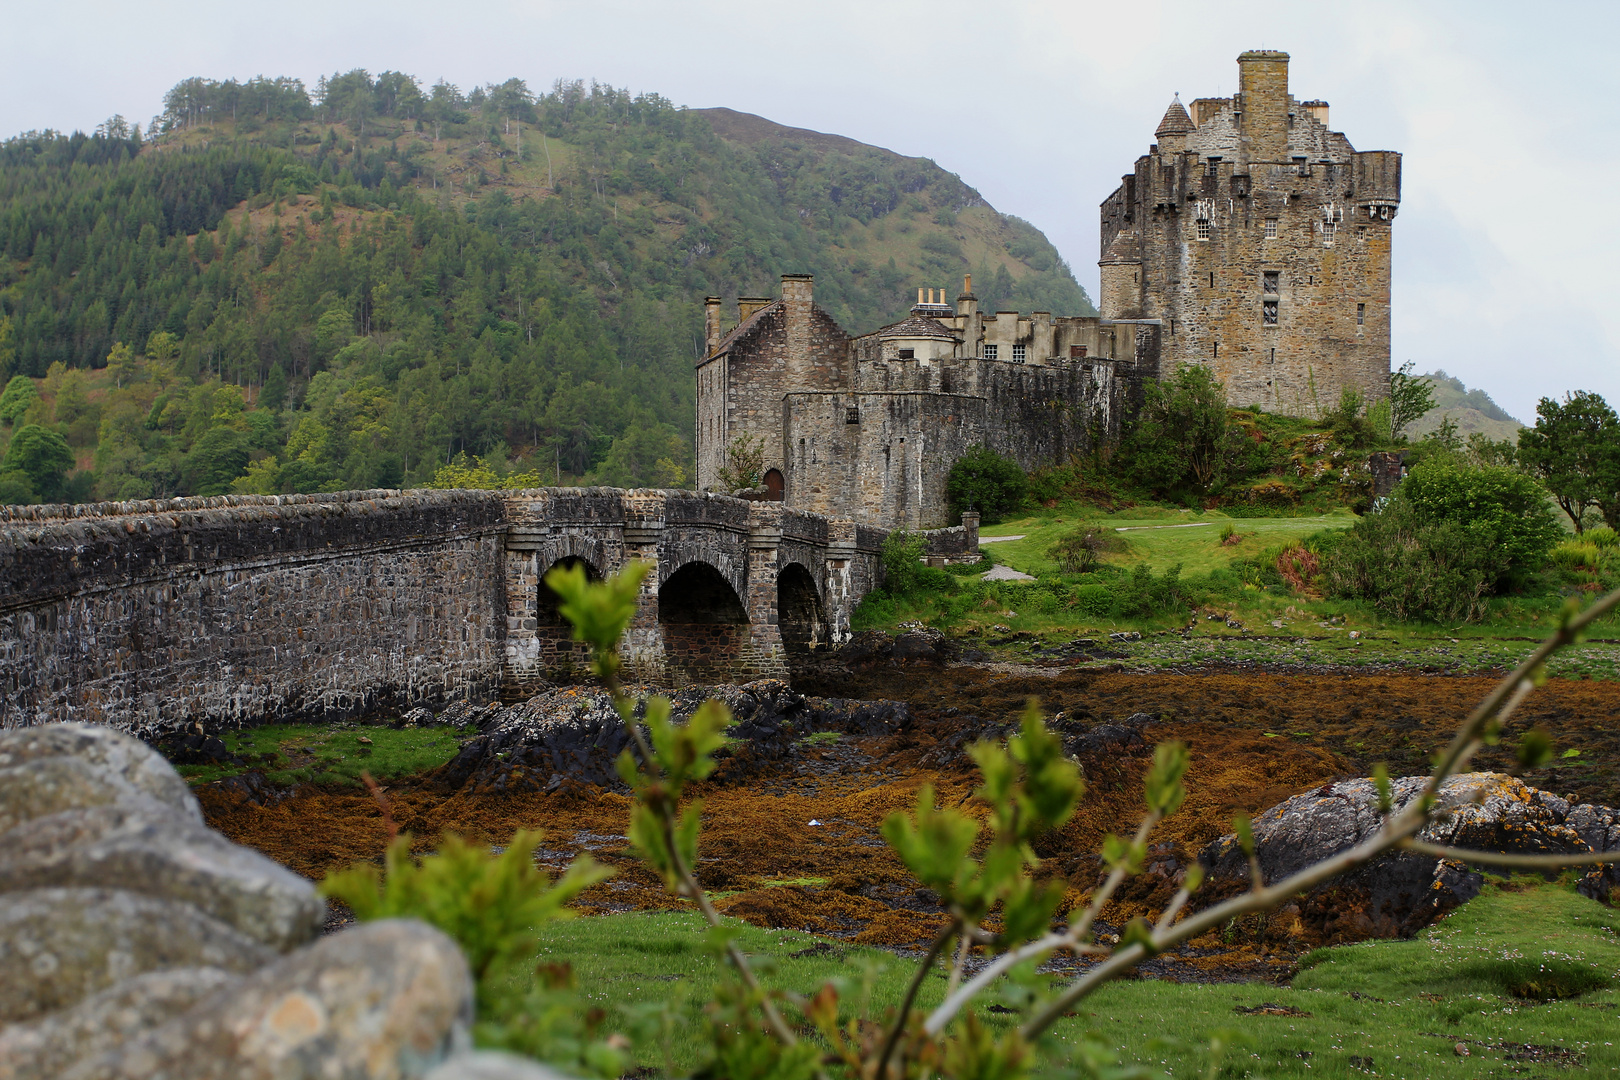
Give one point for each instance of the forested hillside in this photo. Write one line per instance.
(276, 290)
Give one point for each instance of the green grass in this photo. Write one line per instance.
(1158, 539)
(322, 754)
(1405, 1004)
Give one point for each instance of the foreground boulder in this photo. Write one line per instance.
(1401, 892)
(137, 942)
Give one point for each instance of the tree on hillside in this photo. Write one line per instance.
(1410, 396)
(1574, 450)
(42, 456)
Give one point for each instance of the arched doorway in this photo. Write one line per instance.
(560, 655)
(774, 484)
(704, 624)
(799, 614)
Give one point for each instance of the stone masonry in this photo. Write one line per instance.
(867, 428)
(149, 616)
(1259, 240)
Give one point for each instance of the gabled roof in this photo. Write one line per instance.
(916, 327)
(745, 326)
(1176, 121)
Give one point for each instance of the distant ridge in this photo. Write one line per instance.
(747, 129)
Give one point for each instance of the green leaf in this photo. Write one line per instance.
(1245, 832)
(1386, 798)
(1164, 790)
(1535, 748)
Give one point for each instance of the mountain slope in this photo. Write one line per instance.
(394, 276)
(1470, 410)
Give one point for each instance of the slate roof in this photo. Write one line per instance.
(916, 327)
(1176, 121)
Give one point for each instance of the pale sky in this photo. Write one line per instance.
(1505, 251)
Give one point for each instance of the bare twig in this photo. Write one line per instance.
(906, 1002)
(1525, 862)
(1397, 831)
(383, 804)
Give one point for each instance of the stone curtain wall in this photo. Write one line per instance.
(247, 608)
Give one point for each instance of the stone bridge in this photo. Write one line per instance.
(245, 609)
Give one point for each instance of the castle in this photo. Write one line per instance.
(1252, 240)
(1260, 241)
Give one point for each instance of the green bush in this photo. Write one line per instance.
(42, 456)
(1500, 510)
(901, 550)
(1094, 600)
(1181, 443)
(1412, 567)
(1140, 595)
(983, 480)
(1083, 549)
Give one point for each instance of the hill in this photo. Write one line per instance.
(1470, 410)
(392, 276)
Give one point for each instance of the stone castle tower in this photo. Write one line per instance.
(1260, 241)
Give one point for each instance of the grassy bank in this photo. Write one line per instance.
(338, 754)
(1521, 978)
(1201, 586)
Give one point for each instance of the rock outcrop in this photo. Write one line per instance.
(137, 942)
(573, 734)
(1401, 892)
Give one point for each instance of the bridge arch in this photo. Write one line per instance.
(546, 612)
(801, 616)
(704, 623)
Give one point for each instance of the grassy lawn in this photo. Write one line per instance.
(322, 754)
(1160, 538)
(1494, 977)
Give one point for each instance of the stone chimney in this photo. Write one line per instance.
(1318, 111)
(711, 324)
(798, 291)
(1263, 100)
(747, 305)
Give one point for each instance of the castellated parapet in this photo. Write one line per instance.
(867, 428)
(1259, 238)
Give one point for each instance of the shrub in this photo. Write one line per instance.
(983, 480)
(901, 569)
(1094, 600)
(1503, 512)
(1141, 595)
(19, 395)
(1412, 567)
(1081, 550)
(1181, 441)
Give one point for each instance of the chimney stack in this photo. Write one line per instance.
(1263, 99)
(711, 324)
(798, 288)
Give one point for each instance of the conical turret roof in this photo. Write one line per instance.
(1176, 121)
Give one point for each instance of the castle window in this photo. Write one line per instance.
(1077, 351)
(1268, 281)
(1271, 228)
(852, 415)
(1212, 167)
(1302, 166)
(1268, 312)
(1328, 229)
(1361, 314)
(908, 354)
(1203, 229)
(992, 352)
(1018, 354)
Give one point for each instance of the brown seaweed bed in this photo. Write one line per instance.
(795, 842)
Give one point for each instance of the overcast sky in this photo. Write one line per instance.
(1505, 247)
